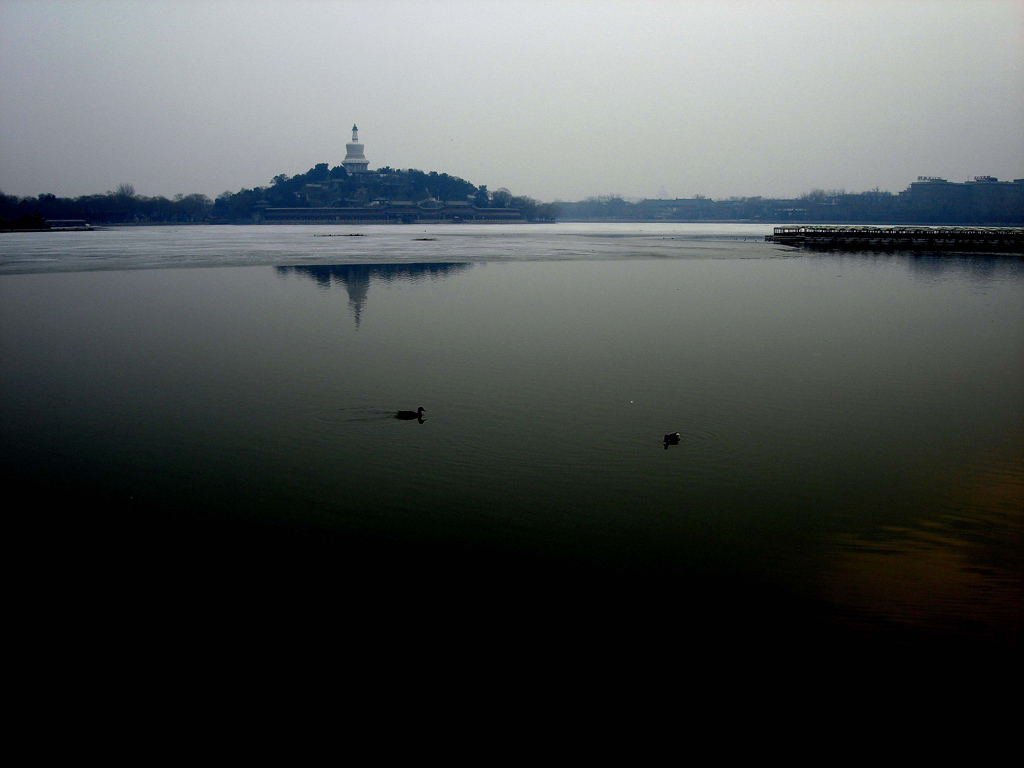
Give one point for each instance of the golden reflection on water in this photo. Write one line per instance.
(961, 571)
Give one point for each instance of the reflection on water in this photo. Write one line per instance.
(975, 267)
(958, 570)
(356, 277)
(850, 428)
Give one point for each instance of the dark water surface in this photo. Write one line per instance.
(851, 455)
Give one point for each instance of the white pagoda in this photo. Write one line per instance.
(355, 161)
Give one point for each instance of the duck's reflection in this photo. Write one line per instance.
(356, 277)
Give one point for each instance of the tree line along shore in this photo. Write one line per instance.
(983, 201)
(319, 188)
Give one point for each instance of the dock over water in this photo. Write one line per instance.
(901, 238)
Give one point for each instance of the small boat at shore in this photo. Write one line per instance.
(67, 225)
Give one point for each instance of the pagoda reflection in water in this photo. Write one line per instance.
(357, 277)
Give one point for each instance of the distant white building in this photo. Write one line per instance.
(355, 161)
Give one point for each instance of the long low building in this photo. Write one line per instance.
(388, 212)
(985, 199)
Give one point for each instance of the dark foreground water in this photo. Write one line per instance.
(850, 465)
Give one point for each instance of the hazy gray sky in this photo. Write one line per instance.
(556, 100)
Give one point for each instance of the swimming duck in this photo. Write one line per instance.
(410, 415)
(672, 439)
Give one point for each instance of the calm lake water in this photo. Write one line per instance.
(851, 427)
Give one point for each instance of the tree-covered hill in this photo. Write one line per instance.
(322, 187)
